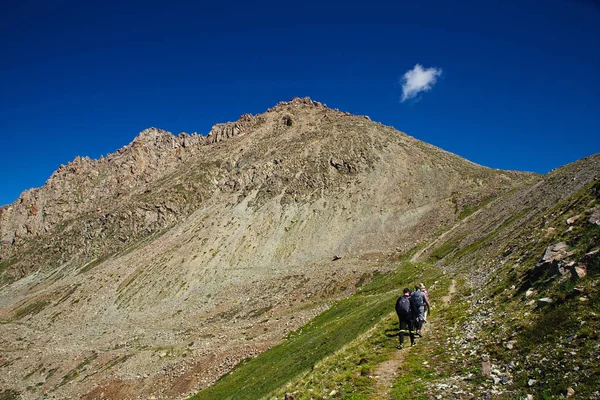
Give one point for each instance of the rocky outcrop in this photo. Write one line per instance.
(86, 188)
(297, 102)
(221, 132)
(594, 216)
(553, 253)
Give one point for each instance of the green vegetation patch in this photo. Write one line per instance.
(116, 361)
(93, 264)
(446, 248)
(349, 370)
(323, 336)
(9, 394)
(31, 308)
(5, 264)
(74, 373)
(471, 208)
(551, 348)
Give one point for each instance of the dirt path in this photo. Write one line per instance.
(386, 372)
(384, 375)
(451, 290)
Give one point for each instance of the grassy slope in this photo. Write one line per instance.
(325, 335)
(539, 351)
(348, 372)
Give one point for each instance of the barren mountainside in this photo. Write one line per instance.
(155, 270)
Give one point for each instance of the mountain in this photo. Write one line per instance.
(156, 270)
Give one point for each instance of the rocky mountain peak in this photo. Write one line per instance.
(295, 103)
(154, 137)
(159, 139)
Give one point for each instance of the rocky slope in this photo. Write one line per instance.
(530, 262)
(153, 271)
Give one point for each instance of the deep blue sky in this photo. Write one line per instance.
(520, 87)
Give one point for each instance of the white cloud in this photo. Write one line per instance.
(418, 80)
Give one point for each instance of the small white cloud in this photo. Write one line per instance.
(418, 80)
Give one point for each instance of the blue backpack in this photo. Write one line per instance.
(418, 296)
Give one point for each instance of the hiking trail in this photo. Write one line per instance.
(451, 290)
(386, 372)
(384, 375)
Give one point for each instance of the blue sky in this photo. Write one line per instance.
(517, 82)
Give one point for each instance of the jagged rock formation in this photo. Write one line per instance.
(178, 256)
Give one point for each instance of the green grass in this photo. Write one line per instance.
(323, 336)
(347, 371)
(4, 266)
(486, 240)
(471, 208)
(446, 248)
(451, 246)
(552, 344)
(117, 361)
(31, 308)
(93, 264)
(74, 373)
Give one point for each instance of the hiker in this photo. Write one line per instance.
(427, 303)
(407, 312)
(420, 303)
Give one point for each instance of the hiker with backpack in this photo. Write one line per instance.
(407, 313)
(427, 303)
(421, 302)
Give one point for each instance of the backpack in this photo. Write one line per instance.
(403, 306)
(418, 296)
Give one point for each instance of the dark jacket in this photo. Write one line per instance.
(414, 310)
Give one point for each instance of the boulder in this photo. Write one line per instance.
(588, 257)
(556, 252)
(595, 216)
(486, 368)
(544, 301)
(572, 220)
(578, 271)
(551, 261)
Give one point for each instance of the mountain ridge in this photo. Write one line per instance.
(153, 154)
